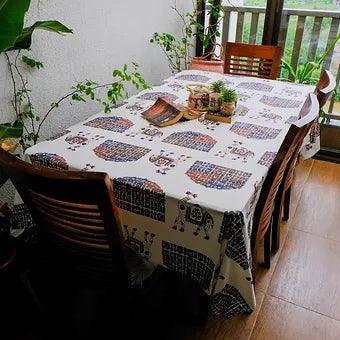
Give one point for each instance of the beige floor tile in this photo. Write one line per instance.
(324, 173)
(281, 320)
(236, 328)
(308, 273)
(318, 211)
(263, 275)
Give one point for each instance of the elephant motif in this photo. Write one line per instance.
(81, 139)
(193, 214)
(148, 133)
(140, 247)
(165, 161)
(237, 152)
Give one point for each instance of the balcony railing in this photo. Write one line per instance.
(304, 34)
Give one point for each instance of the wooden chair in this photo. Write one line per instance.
(264, 212)
(78, 219)
(323, 91)
(252, 60)
(325, 87)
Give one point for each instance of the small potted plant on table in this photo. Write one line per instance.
(228, 102)
(215, 96)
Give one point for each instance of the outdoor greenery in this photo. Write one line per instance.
(27, 123)
(304, 63)
(310, 4)
(305, 73)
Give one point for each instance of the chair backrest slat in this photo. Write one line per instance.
(252, 60)
(76, 214)
(288, 150)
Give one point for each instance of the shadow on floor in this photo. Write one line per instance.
(66, 309)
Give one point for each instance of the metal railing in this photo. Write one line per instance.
(303, 34)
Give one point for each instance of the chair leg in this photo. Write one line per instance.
(24, 278)
(203, 314)
(276, 226)
(286, 204)
(267, 247)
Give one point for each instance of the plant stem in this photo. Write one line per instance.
(14, 101)
(24, 83)
(56, 104)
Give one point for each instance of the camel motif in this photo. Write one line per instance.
(189, 213)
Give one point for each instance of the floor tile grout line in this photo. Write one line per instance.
(303, 184)
(297, 305)
(257, 316)
(317, 235)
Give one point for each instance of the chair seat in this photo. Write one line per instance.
(140, 269)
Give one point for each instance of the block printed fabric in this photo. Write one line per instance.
(187, 192)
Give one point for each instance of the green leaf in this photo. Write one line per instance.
(12, 13)
(24, 41)
(9, 130)
(32, 63)
(78, 98)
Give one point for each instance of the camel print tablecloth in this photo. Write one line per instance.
(187, 192)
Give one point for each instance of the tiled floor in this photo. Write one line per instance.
(299, 297)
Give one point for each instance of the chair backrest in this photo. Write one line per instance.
(325, 87)
(289, 147)
(76, 215)
(261, 61)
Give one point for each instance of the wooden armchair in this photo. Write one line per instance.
(252, 60)
(265, 212)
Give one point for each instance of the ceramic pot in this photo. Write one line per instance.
(227, 109)
(198, 97)
(203, 64)
(198, 102)
(214, 102)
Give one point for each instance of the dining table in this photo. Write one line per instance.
(187, 192)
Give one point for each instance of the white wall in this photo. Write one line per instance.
(107, 34)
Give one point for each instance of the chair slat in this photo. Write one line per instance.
(65, 204)
(75, 221)
(252, 60)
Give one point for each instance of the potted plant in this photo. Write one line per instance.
(15, 42)
(215, 96)
(228, 102)
(178, 50)
(210, 60)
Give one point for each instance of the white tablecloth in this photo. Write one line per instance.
(188, 192)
